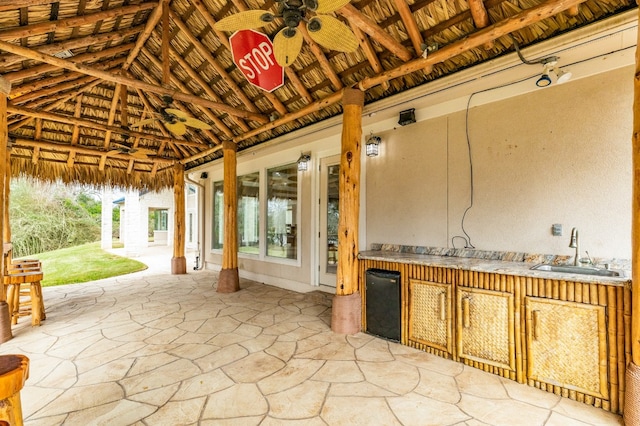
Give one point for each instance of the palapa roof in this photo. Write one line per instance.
(69, 117)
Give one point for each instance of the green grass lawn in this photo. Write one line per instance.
(79, 264)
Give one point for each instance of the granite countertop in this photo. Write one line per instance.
(522, 269)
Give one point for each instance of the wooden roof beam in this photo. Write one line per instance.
(208, 57)
(81, 122)
(27, 92)
(50, 49)
(85, 57)
(369, 52)
(16, 4)
(52, 60)
(88, 19)
(209, 91)
(90, 85)
(183, 87)
(75, 134)
(153, 20)
(516, 22)
(480, 18)
(66, 148)
(370, 27)
(410, 25)
(326, 67)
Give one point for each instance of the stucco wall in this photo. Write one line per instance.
(558, 155)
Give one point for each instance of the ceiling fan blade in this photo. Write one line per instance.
(144, 122)
(244, 20)
(327, 6)
(286, 46)
(193, 122)
(138, 154)
(177, 112)
(332, 34)
(177, 128)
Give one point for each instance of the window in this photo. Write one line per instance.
(161, 220)
(218, 216)
(282, 205)
(249, 213)
(190, 227)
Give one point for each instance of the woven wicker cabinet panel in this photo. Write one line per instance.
(485, 327)
(566, 345)
(430, 317)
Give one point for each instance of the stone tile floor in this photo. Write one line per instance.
(155, 349)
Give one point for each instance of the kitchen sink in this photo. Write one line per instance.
(571, 269)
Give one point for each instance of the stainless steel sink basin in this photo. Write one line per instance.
(570, 269)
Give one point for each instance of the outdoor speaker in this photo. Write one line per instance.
(407, 117)
(204, 175)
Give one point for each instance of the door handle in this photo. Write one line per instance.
(535, 324)
(466, 314)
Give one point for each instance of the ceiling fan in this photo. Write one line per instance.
(174, 120)
(141, 153)
(325, 30)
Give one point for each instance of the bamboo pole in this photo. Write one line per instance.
(5, 317)
(120, 79)
(179, 261)
(632, 394)
(229, 281)
(345, 317)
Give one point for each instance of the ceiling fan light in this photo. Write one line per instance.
(314, 25)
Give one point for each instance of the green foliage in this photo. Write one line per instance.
(87, 262)
(48, 217)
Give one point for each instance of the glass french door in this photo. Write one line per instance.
(329, 199)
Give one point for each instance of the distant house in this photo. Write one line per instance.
(147, 218)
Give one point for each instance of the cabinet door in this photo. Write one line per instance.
(430, 318)
(485, 327)
(566, 345)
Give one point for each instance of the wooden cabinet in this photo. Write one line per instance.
(485, 329)
(430, 314)
(567, 345)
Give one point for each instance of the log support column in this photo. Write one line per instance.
(632, 379)
(346, 314)
(229, 280)
(5, 318)
(179, 261)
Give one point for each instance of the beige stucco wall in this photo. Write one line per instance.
(561, 154)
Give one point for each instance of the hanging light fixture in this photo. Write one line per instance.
(303, 161)
(372, 146)
(550, 67)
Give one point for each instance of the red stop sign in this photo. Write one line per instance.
(253, 54)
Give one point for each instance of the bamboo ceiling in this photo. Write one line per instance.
(68, 117)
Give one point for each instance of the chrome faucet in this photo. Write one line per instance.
(575, 244)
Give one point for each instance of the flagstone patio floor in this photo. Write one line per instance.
(152, 348)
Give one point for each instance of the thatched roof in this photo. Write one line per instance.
(73, 122)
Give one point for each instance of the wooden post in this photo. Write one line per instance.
(632, 394)
(347, 304)
(229, 280)
(5, 318)
(178, 261)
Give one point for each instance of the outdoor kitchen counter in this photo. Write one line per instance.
(522, 269)
(564, 333)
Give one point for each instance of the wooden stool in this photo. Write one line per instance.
(14, 372)
(23, 302)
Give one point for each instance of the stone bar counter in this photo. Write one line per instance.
(566, 333)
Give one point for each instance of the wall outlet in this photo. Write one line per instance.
(556, 230)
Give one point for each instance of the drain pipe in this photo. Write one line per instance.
(200, 258)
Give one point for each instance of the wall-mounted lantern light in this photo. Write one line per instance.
(303, 162)
(372, 146)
